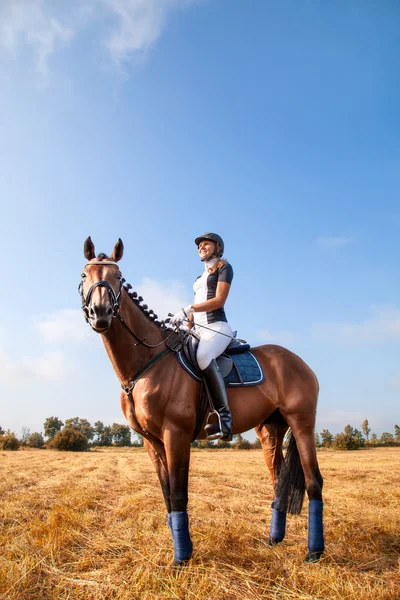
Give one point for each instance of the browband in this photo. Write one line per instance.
(101, 262)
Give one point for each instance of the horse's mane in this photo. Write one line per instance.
(150, 314)
(136, 299)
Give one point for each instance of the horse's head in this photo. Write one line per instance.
(101, 286)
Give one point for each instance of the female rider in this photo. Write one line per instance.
(207, 315)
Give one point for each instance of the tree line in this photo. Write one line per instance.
(78, 434)
(75, 434)
(352, 438)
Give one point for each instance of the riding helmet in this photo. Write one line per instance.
(213, 237)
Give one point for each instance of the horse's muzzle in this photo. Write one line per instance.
(100, 317)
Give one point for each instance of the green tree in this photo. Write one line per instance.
(365, 429)
(244, 444)
(346, 441)
(349, 439)
(1, 430)
(35, 440)
(326, 438)
(358, 436)
(317, 440)
(205, 444)
(121, 434)
(9, 441)
(138, 440)
(237, 440)
(25, 432)
(81, 425)
(387, 439)
(348, 430)
(396, 433)
(102, 433)
(374, 439)
(51, 426)
(98, 429)
(70, 439)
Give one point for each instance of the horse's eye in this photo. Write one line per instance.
(83, 275)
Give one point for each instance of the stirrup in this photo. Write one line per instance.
(219, 434)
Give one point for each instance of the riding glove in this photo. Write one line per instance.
(182, 315)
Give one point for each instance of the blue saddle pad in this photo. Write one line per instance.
(246, 370)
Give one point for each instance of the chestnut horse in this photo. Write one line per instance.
(159, 400)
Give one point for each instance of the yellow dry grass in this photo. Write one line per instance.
(92, 526)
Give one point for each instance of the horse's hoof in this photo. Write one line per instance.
(179, 564)
(313, 557)
(272, 542)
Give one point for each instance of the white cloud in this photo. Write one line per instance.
(165, 296)
(383, 325)
(47, 26)
(62, 326)
(327, 242)
(282, 338)
(29, 20)
(139, 25)
(69, 325)
(49, 367)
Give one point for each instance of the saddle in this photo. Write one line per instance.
(238, 366)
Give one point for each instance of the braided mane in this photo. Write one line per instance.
(150, 314)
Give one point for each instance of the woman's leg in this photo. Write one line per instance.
(213, 342)
(211, 345)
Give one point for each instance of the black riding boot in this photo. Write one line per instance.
(216, 387)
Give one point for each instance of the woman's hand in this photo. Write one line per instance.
(182, 315)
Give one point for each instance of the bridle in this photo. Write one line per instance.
(115, 300)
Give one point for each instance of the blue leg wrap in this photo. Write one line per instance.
(169, 521)
(179, 525)
(278, 524)
(315, 526)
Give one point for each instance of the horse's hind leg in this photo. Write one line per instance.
(303, 432)
(271, 435)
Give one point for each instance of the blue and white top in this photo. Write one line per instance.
(205, 288)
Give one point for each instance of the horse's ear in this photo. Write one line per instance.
(118, 251)
(88, 249)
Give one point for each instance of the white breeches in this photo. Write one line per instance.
(212, 343)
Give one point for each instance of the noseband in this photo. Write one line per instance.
(115, 299)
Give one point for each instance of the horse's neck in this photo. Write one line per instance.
(126, 355)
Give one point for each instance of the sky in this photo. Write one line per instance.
(274, 124)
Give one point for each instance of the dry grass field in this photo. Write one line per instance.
(92, 526)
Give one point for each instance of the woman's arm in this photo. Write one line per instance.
(214, 303)
(190, 321)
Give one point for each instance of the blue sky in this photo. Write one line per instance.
(275, 124)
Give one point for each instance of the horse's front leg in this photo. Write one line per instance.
(177, 446)
(156, 450)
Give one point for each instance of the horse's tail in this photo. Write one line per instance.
(290, 488)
